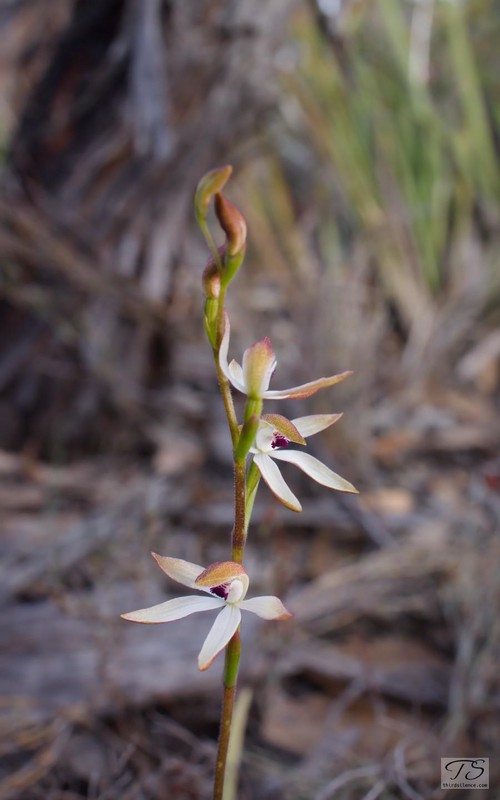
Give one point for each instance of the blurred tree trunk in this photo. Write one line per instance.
(115, 109)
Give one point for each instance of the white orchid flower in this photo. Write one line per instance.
(226, 583)
(274, 434)
(253, 376)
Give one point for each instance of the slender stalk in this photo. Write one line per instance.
(210, 241)
(239, 530)
(233, 651)
(233, 648)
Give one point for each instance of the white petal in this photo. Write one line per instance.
(267, 607)
(229, 370)
(235, 374)
(264, 438)
(174, 609)
(306, 389)
(314, 423)
(315, 469)
(179, 570)
(220, 633)
(274, 480)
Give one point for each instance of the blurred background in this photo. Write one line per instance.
(365, 141)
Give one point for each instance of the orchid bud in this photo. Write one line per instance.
(210, 278)
(234, 226)
(232, 223)
(210, 184)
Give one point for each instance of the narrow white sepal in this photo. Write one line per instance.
(233, 371)
(174, 609)
(220, 633)
(275, 480)
(267, 607)
(316, 470)
(183, 572)
(314, 423)
(306, 389)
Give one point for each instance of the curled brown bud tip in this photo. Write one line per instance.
(211, 279)
(210, 184)
(232, 223)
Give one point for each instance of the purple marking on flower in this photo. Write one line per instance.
(220, 591)
(279, 441)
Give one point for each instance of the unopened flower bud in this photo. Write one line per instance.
(210, 184)
(232, 223)
(211, 279)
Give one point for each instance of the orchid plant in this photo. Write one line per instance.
(258, 441)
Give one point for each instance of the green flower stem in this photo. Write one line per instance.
(253, 408)
(233, 651)
(246, 438)
(210, 241)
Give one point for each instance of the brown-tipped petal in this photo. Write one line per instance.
(219, 573)
(174, 609)
(306, 389)
(232, 223)
(210, 184)
(179, 570)
(285, 426)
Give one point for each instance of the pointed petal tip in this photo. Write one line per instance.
(275, 481)
(131, 617)
(205, 665)
(286, 615)
(225, 625)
